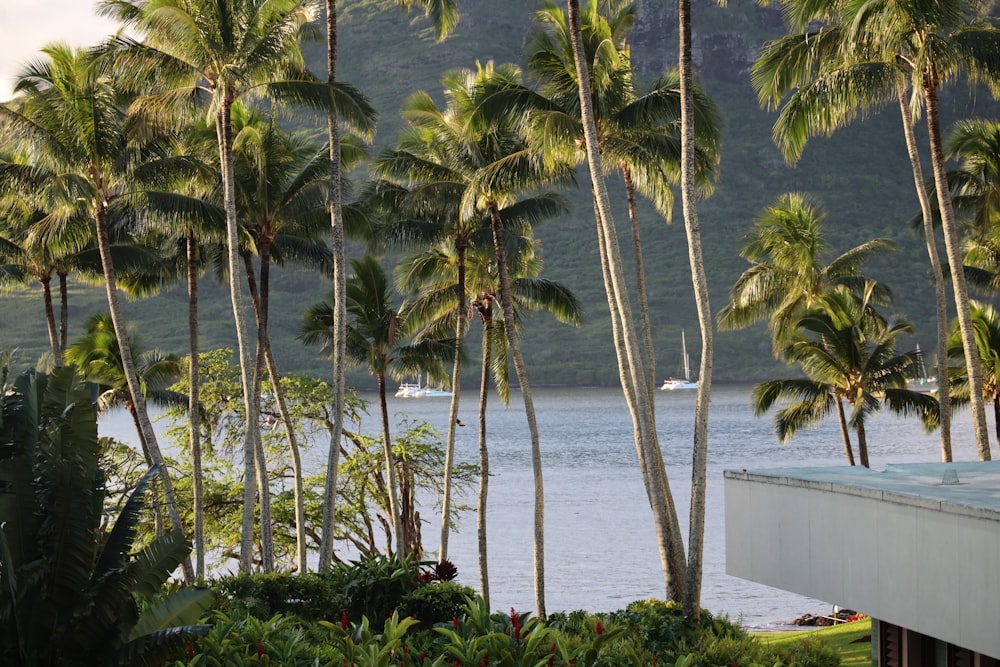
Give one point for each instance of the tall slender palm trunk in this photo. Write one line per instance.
(954, 252)
(194, 408)
(484, 467)
(224, 130)
(338, 353)
(131, 377)
(937, 273)
(634, 381)
(456, 386)
(507, 304)
(699, 460)
(648, 352)
(63, 310)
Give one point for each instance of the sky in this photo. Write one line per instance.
(28, 25)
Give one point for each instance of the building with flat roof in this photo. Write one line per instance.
(916, 547)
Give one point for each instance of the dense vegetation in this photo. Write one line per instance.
(860, 175)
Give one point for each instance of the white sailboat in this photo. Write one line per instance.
(408, 389)
(685, 381)
(926, 384)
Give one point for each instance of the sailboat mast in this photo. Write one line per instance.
(684, 356)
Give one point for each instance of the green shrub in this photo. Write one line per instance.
(809, 652)
(374, 586)
(436, 602)
(310, 596)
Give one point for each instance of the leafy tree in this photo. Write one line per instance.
(377, 337)
(848, 355)
(87, 150)
(68, 589)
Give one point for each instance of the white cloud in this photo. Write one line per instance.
(28, 25)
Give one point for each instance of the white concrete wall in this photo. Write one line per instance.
(908, 560)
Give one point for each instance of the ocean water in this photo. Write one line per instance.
(600, 549)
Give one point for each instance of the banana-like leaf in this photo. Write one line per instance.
(119, 542)
(154, 564)
(182, 607)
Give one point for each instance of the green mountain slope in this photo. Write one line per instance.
(861, 175)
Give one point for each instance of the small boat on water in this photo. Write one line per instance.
(415, 390)
(685, 381)
(925, 384)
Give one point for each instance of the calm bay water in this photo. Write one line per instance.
(600, 548)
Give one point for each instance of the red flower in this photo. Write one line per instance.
(260, 648)
(454, 622)
(190, 650)
(343, 620)
(600, 628)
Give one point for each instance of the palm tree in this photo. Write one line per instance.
(638, 131)
(848, 355)
(635, 381)
(431, 277)
(986, 323)
(898, 46)
(487, 167)
(281, 192)
(444, 15)
(377, 337)
(787, 250)
(69, 113)
(229, 51)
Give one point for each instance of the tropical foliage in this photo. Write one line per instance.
(69, 581)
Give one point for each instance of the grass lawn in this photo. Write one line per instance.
(851, 640)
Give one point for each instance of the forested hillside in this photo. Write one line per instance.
(861, 176)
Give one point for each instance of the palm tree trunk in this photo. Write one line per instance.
(996, 418)
(954, 252)
(696, 524)
(63, 310)
(194, 408)
(391, 480)
(630, 364)
(338, 353)
(50, 319)
(484, 470)
(456, 386)
(224, 130)
(862, 443)
(845, 434)
(640, 276)
(937, 273)
(131, 378)
(507, 303)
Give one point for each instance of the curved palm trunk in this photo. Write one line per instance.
(194, 408)
(845, 434)
(50, 319)
(157, 506)
(391, 480)
(456, 385)
(484, 471)
(699, 460)
(529, 407)
(640, 276)
(338, 353)
(224, 131)
(940, 295)
(631, 370)
(131, 377)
